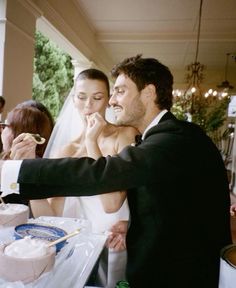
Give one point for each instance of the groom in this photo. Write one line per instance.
(172, 179)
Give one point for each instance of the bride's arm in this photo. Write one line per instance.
(111, 201)
(47, 207)
(95, 124)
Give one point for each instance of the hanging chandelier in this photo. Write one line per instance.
(193, 96)
(207, 109)
(195, 69)
(193, 104)
(190, 98)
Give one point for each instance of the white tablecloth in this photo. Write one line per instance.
(74, 262)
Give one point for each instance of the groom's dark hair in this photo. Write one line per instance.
(94, 74)
(145, 71)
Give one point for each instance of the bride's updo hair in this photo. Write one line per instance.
(94, 74)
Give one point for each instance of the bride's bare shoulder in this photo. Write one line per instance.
(125, 136)
(127, 131)
(122, 130)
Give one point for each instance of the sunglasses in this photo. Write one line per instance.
(3, 125)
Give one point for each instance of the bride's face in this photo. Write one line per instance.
(91, 96)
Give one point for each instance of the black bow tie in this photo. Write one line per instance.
(138, 140)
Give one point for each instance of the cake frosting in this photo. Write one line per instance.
(27, 248)
(11, 208)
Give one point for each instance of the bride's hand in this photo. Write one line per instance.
(95, 124)
(117, 239)
(23, 149)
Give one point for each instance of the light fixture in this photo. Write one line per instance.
(195, 76)
(208, 110)
(192, 98)
(225, 85)
(193, 94)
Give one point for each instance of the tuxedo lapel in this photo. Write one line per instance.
(167, 116)
(162, 125)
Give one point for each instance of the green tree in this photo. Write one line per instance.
(53, 74)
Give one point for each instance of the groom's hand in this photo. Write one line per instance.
(23, 148)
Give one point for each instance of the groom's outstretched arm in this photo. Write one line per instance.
(43, 178)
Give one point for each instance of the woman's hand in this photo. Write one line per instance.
(117, 238)
(95, 125)
(23, 149)
(233, 210)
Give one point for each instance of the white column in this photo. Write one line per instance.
(80, 65)
(17, 22)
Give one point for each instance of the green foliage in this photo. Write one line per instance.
(53, 74)
(208, 112)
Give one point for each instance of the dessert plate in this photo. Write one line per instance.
(41, 231)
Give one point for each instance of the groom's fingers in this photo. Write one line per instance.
(19, 138)
(23, 149)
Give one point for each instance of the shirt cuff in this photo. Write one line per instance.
(9, 176)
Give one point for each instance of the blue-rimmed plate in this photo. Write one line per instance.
(40, 231)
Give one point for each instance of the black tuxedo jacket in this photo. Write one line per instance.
(178, 197)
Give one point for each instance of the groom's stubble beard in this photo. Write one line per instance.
(132, 115)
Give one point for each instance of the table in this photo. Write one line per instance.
(74, 263)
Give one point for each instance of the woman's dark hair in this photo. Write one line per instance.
(28, 119)
(145, 71)
(94, 74)
(39, 106)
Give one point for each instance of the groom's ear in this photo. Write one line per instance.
(150, 91)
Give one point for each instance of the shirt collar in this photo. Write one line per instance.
(154, 122)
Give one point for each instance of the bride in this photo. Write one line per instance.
(82, 130)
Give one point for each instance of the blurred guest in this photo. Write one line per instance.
(27, 117)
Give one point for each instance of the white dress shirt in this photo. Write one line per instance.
(9, 176)
(154, 122)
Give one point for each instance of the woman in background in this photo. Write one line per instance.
(27, 117)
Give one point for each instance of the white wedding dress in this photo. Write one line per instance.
(91, 209)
